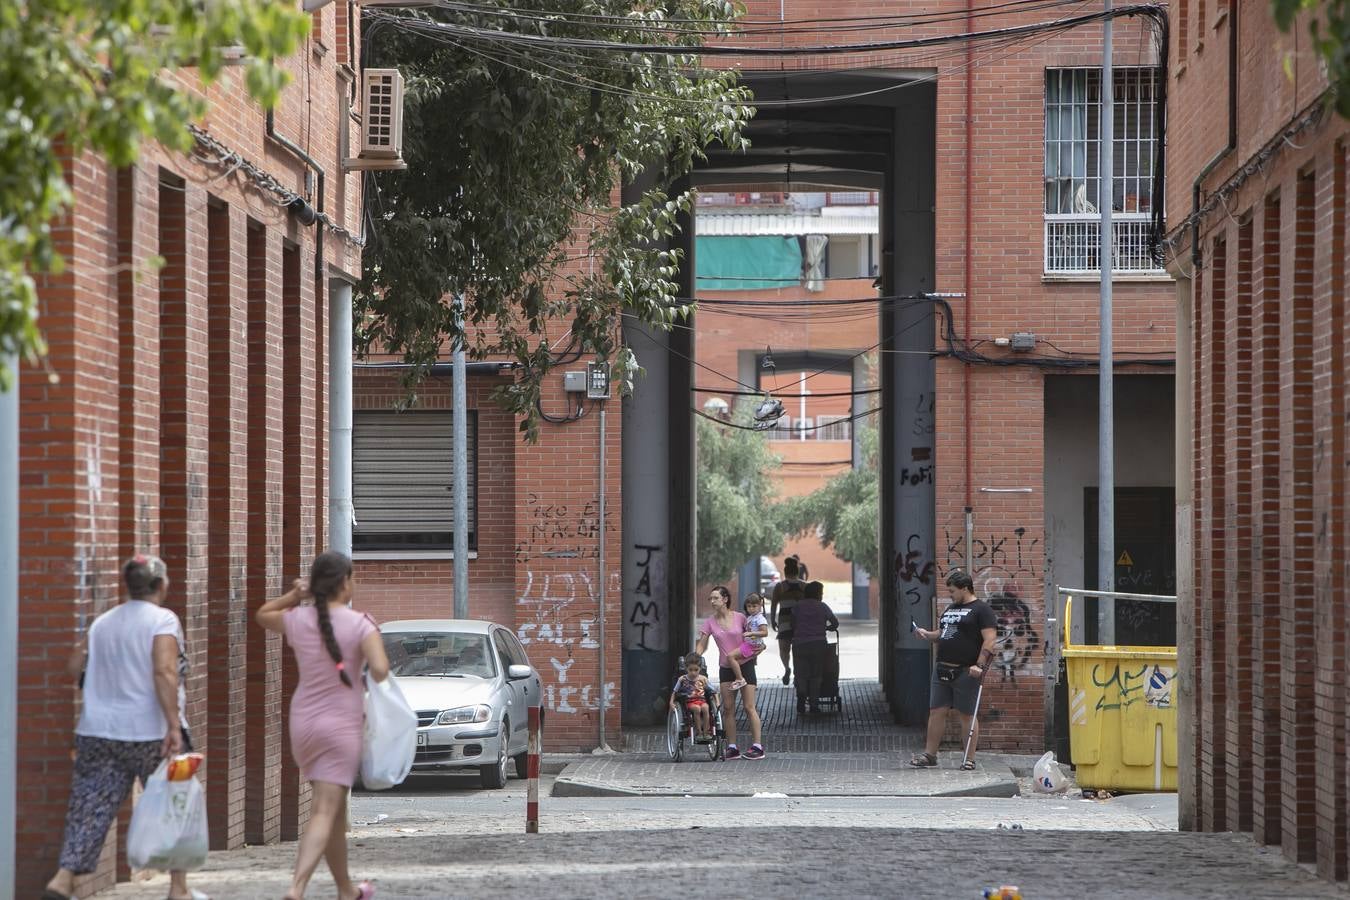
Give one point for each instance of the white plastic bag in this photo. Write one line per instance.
(1049, 776)
(390, 737)
(168, 825)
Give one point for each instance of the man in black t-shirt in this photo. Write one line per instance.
(966, 637)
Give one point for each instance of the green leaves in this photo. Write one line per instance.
(514, 159)
(737, 516)
(1329, 25)
(88, 75)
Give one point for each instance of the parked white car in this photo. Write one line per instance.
(472, 685)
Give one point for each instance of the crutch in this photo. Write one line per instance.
(975, 716)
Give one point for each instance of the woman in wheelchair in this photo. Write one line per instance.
(691, 689)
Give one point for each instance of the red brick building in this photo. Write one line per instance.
(1258, 248)
(184, 412)
(985, 164)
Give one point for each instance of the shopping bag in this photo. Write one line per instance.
(1049, 776)
(390, 737)
(168, 825)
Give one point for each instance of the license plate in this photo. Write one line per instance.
(421, 738)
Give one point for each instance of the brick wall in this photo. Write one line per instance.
(1271, 356)
(166, 428)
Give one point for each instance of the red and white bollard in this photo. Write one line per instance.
(532, 772)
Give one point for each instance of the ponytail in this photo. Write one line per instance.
(326, 577)
(326, 629)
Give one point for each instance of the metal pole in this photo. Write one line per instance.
(970, 542)
(340, 516)
(1106, 479)
(9, 623)
(604, 694)
(461, 474)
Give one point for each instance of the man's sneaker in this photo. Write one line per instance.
(755, 752)
(732, 752)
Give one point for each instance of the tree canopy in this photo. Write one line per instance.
(846, 510)
(1329, 26)
(88, 75)
(514, 163)
(737, 518)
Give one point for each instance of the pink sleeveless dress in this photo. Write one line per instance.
(327, 717)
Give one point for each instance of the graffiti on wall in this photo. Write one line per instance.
(1005, 564)
(561, 530)
(645, 607)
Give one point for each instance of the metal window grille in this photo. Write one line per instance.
(851, 198)
(403, 479)
(1072, 185)
(783, 430)
(833, 428)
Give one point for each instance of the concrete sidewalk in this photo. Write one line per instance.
(790, 774)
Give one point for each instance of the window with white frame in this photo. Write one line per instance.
(403, 480)
(1073, 103)
(834, 428)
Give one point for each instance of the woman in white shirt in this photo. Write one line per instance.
(132, 717)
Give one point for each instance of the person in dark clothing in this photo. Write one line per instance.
(786, 595)
(966, 639)
(811, 619)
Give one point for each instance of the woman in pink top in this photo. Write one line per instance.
(331, 643)
(726, 626)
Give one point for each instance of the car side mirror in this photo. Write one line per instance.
(516, 673)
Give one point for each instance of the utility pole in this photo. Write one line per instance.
(597, 391)
(9, 621)
(461, 468)
(1106, 477)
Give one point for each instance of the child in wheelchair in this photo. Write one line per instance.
(691, 691)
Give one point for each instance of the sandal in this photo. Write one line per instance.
(923, 760)
(367, 889)
(738, 684)
(968, 766)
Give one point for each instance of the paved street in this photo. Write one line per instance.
(444, 838)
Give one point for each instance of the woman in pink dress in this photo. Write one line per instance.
(332, 643)
(726, 627)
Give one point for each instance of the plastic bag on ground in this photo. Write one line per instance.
(168, 826)
(390, 737)
(1049, 777)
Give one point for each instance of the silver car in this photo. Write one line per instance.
(472, 686)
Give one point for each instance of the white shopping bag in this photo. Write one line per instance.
(1049, 776)
(390, 738)
(168, 825)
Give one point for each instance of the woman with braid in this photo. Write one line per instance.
(332, 643)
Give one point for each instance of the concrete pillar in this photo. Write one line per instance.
(1187, 707)
(909, 557)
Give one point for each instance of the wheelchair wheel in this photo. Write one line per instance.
(674, 735)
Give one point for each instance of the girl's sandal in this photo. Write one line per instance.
(923, 760)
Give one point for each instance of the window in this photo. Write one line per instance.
(834, 428)
(403, 480)
(1072, 211)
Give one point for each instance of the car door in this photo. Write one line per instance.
(534, 690)
(517, 709)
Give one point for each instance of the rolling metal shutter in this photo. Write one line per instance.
(403, 479)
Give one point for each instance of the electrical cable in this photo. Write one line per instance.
(791, 429)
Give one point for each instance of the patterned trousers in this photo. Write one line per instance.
(104, 773)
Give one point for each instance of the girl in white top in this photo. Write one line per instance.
(131, 719)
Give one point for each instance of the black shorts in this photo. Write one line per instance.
(785, 635)
(747, 671)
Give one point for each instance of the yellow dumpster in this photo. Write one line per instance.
(1122, 714)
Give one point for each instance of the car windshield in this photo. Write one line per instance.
(448, 654)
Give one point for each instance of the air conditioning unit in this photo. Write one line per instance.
(382, 115)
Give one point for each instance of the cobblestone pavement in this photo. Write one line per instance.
(797, 775)
(782, 861)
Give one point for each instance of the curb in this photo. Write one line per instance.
(573, 787)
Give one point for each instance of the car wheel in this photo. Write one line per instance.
(494, 777)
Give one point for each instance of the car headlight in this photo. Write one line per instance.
(464, 715)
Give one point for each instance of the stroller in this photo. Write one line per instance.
(829, 695)
(680, 730)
